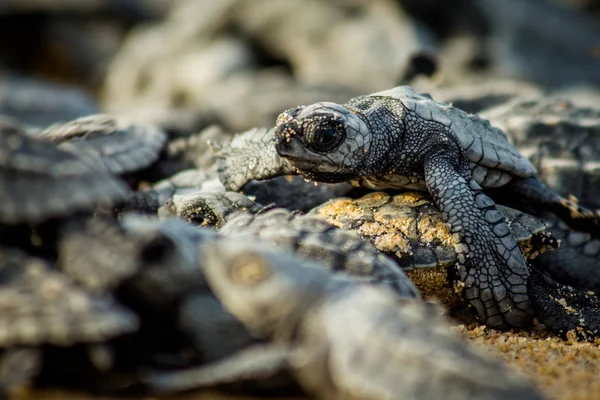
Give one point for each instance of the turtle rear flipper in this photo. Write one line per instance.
(576, 262)
(562, 308)
(530, 193)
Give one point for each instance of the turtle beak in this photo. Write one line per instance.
(286, 138)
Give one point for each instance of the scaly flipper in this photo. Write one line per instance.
(249, 155)
(490, 262)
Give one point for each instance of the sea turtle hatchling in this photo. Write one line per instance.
(560, 139)
(327, 323)
(122, 146)
(41, 307)
(307, 236)
(401, 139)
(40, 181)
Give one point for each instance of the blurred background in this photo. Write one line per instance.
(186, 64)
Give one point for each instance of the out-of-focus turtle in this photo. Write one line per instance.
(560, 139)
(286, 30)
(40, 306)
(308, 237)
(563, 141)
(150, 199)
(40, 181)
(340, 334)
(122, 146)
(314, 239)
(411, 229)
(154, 268)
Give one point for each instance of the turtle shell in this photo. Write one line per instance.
(561, 139)
(312, 238)
(41, 306)
(409, 227)
(122, 146)
(484, 145)
(39, 181)
(97, 254)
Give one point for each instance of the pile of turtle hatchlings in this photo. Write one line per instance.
(120, 278)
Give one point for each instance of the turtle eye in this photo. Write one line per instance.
(326, 136)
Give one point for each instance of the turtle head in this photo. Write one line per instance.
(266, 289)
(324, 141)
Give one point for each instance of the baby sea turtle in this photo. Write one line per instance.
(122, 146)
(560, 139)
(307, 236)
(40, 181)
(41, 307)
(210, 209)
(400, 139)
(327, 324)
(149, 200)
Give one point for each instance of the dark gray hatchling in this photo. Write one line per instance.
(208, 209)
(37, 103)
(401, 139)
(155, 269)
(350, 341)
(307, 236)
(560, 139)
(563, 141)
(40, 306)
(120, 145)
(40, 181)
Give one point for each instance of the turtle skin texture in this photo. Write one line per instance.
(401, 139)
(326, 322)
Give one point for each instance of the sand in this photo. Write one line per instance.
(561, 369)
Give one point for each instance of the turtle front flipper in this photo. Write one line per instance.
(249, 155)
(490, 262)
(532, 194)
(562, 308)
